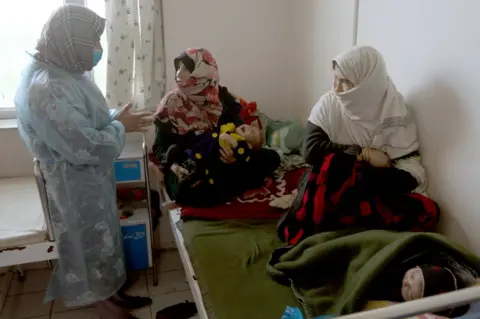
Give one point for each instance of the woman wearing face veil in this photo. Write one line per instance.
(362, 143)
(66, 124)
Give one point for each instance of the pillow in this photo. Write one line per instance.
(286, 137)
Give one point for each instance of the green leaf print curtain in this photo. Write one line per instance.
(135, 61)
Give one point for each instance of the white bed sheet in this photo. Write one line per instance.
(21, 215)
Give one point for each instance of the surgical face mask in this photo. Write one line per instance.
(97, 56)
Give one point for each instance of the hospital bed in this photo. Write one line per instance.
(209, 296)
(26, 234)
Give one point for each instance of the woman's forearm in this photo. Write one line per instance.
(317, 144)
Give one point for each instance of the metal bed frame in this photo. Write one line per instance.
(45, 250)
(398, 311)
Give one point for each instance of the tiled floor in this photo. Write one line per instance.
(25, 300)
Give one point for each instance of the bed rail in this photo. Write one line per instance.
(421, 306)
(43, 197)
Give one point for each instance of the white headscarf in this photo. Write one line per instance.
(373, 113)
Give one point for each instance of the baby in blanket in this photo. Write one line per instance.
(429, 280)
(204, 156)
(204, 180)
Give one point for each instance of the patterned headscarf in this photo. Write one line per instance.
(194, 105)
(69, 36)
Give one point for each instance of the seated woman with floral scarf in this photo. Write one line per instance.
(198, 107)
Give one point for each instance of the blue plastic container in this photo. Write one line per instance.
(128, 171)
(135, 244)
(295, 313)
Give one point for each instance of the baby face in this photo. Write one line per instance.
(412, 284)
(252, 134)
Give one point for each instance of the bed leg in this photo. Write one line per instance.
(49, 264)
(155, 276)
(20, 273)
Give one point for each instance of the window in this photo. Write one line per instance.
(100, 71)
(20, 29)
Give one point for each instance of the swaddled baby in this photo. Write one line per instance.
(204, 180)
(205, 154)
(427, 280)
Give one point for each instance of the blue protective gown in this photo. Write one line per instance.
(65, 122)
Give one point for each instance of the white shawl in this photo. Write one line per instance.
(373, 114)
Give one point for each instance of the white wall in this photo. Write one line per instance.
(251, 40)
(432, 50)
(322, 29)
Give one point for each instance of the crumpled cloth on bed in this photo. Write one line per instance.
(253, 204)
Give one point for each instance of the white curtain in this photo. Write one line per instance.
(135, 61)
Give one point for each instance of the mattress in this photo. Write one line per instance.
(229, 260)
(21, 215)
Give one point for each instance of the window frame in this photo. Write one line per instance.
(10, 113)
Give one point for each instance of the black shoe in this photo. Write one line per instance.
(130, 302)
(183, 310)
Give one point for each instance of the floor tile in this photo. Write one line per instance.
(144, 313)
(35, 281)
(88, 313)
(168, 282)
(59, 307)
(5, 283)
(169, 260)
(139, 288)
(26, 306)
(163, 301)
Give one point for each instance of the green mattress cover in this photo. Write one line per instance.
(230, 259)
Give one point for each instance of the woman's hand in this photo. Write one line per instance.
(134, 121)
(226, 155)
(374, 157)
(179, 171)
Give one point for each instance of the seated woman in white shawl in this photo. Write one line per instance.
(365, 116)
(363, 147)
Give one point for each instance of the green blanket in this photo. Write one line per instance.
(229, 259)
(331, 272)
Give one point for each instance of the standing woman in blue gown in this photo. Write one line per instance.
(66, 124)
